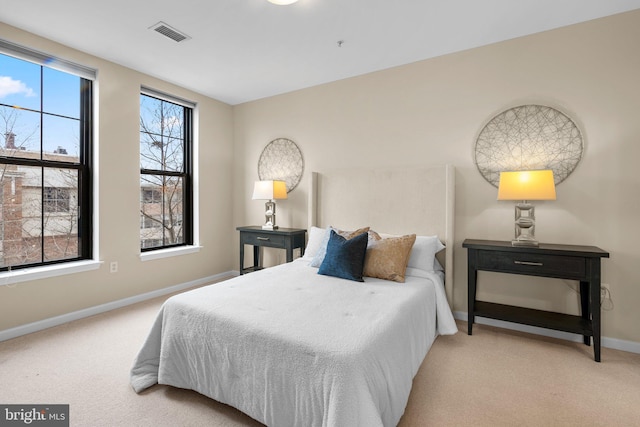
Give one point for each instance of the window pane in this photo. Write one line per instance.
(161, 135)
(150, 151)
(173, 195)
(174, 154)
(161, 208)
(21, 215)
(151, 223)
(61, 94)
(26, 206)
(172, 120)
(61, 136)
(60, 211)
(20, 133)
(19, 83)
(161, 117)
(161, 153)
(150, 113)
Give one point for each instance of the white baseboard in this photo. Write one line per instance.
(8, 334)
(614, 343)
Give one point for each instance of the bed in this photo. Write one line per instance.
(291, 347)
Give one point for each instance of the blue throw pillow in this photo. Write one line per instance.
(345, 258)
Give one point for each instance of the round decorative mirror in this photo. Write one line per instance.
(281, 160)
(528, 137)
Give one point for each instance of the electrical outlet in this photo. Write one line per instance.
(605, 297)
(113, 267)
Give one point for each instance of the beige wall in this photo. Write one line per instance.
(118, 91)
(430, 112)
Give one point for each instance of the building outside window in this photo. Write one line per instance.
(166, 200)
(45, 160)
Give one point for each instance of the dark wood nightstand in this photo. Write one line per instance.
(282, 238)
(581, 263)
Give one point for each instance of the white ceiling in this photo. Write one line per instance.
(242, 50)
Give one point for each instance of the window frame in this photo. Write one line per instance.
(84, 168)
(186, 175)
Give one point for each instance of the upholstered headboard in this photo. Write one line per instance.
(394, 201)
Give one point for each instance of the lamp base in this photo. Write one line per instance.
(525, 225)
(270, 216)
(530, 243)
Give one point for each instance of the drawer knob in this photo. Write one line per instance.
(538, 264)
(263, 238)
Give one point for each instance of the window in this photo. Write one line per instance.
(166, 201)
(45, 159)
(56, 199)
(151, 195)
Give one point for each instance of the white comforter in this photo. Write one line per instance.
(290, 347)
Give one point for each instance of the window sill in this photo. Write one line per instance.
(167, 253)
(34, 273)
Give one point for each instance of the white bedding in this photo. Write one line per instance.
(290, 347)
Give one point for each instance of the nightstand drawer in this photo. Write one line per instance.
(567, 267)
(264, 239)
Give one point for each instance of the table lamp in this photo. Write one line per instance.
(526, 186)
(269, 191)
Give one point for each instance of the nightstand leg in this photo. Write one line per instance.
(241, 257)
(585, 307)
(472, 278)
(256, 257)
(595, 307)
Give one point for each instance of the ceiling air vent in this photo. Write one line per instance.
(168, 31)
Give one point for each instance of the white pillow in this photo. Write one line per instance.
(316, 235)
(423, 253)
(322, 248)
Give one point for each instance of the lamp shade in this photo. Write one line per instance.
(527, 185)
(269, 190)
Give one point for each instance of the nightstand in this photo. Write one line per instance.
(281, 238)
(581, 263)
